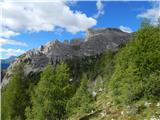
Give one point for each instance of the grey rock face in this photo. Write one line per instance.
(96, 42)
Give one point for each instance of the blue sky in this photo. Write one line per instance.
(29, 25)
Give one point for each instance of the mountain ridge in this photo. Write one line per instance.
(5, 62)
(96, 42)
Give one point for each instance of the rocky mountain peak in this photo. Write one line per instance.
(100, 31)
(97, 41)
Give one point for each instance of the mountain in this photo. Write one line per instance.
(6, 62)
(96, 42)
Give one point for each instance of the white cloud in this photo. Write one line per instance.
(44, 16)
(8, 33)
(152, 14)
(4, 41)
(125, 29)
(58, 31)
(100, 8)
(11, 52)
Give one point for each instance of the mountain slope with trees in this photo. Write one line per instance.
(123, 84)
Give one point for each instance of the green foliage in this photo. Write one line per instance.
(84, 65)
(51, 94)
(15, 97)
(137, 68)
(105, 67)
(146, 23)
(104, 63)
(80, 102)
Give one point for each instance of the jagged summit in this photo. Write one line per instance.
(99, 31)
(102, 30)
(97, 41)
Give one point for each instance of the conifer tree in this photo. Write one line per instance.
(14, 96)
(80, 102)
(51, 93)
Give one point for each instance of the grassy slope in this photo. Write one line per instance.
(106, 109)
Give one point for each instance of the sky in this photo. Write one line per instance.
(28, 24)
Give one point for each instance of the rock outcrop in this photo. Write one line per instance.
(96, 42)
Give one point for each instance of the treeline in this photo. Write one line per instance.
(131, 74)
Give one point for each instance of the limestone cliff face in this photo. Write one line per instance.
(96, 42)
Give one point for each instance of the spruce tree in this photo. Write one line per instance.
(51, 94)
(14, 96)
(80, 102)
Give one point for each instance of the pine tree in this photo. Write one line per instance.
(80, 102)
(14, 96)
(51, 94)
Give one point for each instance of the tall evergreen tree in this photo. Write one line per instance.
(80, 102)
(51, 93)
(14, 97)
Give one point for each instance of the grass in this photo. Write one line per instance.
(108, 110)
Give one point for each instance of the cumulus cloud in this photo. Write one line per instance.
(11, 52)
(8, 33)
(100, 9)
(125, 29)
(152, 14)
(4, 41)
(44, 16)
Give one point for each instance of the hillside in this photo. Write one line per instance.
(112, 75)
(129, 90)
